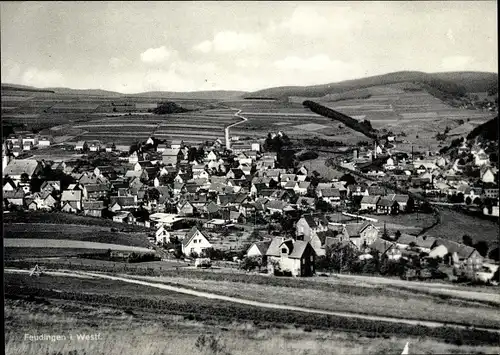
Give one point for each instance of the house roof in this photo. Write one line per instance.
(73, 204)
(386, 202)
(171, 152)
(122, 200)
(276, 205)
(96, 187)
(93, 205)
(463, 251)
(308, 200)
(371, 199)
(355, 229)
(298, 249)
(189, 236)
(19, 167)
(329, 192)
(263, 246)
(71, 195)
(381, 245)
(19, 193)
(406, 239)
(274, 246)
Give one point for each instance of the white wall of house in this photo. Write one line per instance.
(253, 251)
(197, 244)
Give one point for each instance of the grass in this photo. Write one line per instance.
(66, 218)
(127, 302)
(88, 233)
(124, 333)
(360, 300)
(62, 243)
(454, 225)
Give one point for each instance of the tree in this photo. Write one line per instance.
(349, 179)
(468, 200)
(467, 240)
(250, 263)
(482, 247)
(494, 254)
(397, 235)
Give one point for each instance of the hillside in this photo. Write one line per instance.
(452, 83)
(194, 95)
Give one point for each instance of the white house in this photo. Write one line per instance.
(487, 175)
(195, 241)
(162, 235)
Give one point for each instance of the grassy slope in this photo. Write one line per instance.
(129, 297)
(123, 334)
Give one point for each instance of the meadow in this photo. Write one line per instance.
(36, 303)
(142, 332)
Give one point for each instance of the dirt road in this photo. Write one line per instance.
(196, 293)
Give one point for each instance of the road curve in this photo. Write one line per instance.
(431, 324)
(226, 130)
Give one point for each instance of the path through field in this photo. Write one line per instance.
(237, 114)
(431, 324)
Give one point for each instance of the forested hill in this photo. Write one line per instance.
(451, 83)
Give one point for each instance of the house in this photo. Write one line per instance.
(14, 197)
(302, 187)
(110, 147)
(161, 148)
(9, 185)
(185, 209)
(369, 203)
(358, 190)
(118, 203)
(309, 225)
(195, 242)
(306, 203)
(386, 205)
(162, 235)
(386, 249)
(487, 174)
(294, 257)
(330, 195)
(96, 191)
(133, 158)
(93, 208)
(17, 169)
(275, 206)
(360, 234)
(81, 145)
(461, 256)
(73, 198)
(94, 146)
(177, 144)
(259, 250)
(171, 156)
(481, 158)
(124, 217)
(50, 186)
(491, 192)
(70, 207)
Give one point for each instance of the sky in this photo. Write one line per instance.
(133, 47)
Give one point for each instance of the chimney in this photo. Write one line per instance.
(355, 154)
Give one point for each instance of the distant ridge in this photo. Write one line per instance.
(206, 95)
(450, 81)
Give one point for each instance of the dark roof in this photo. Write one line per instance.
(123, 200)
(93, 205)
(381, 245)
(330, 192)
(463, 251)
(263, 246)
(96, 187)
(386, 202)
(354, 229)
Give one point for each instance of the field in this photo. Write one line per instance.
(59, 234)
(454, 225)
(128, 317)
(126, 333)
(411, 223)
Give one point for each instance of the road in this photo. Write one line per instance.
(244, 119)
(431, 324)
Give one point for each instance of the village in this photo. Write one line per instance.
(249, 203)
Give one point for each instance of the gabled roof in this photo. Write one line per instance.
(171, 152)
(381, 245)
(370, 199)
(463, 251)
(355, 229)
(386, 202)
(263, 246)
(330, 192)
(276, 204)
(19, 167)
(19, 193)
(406, 239)
(97, 188)
(189, 236)
(71, 195)
(274, 247)
(93, 205)
(298, 249)
(122, 200)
